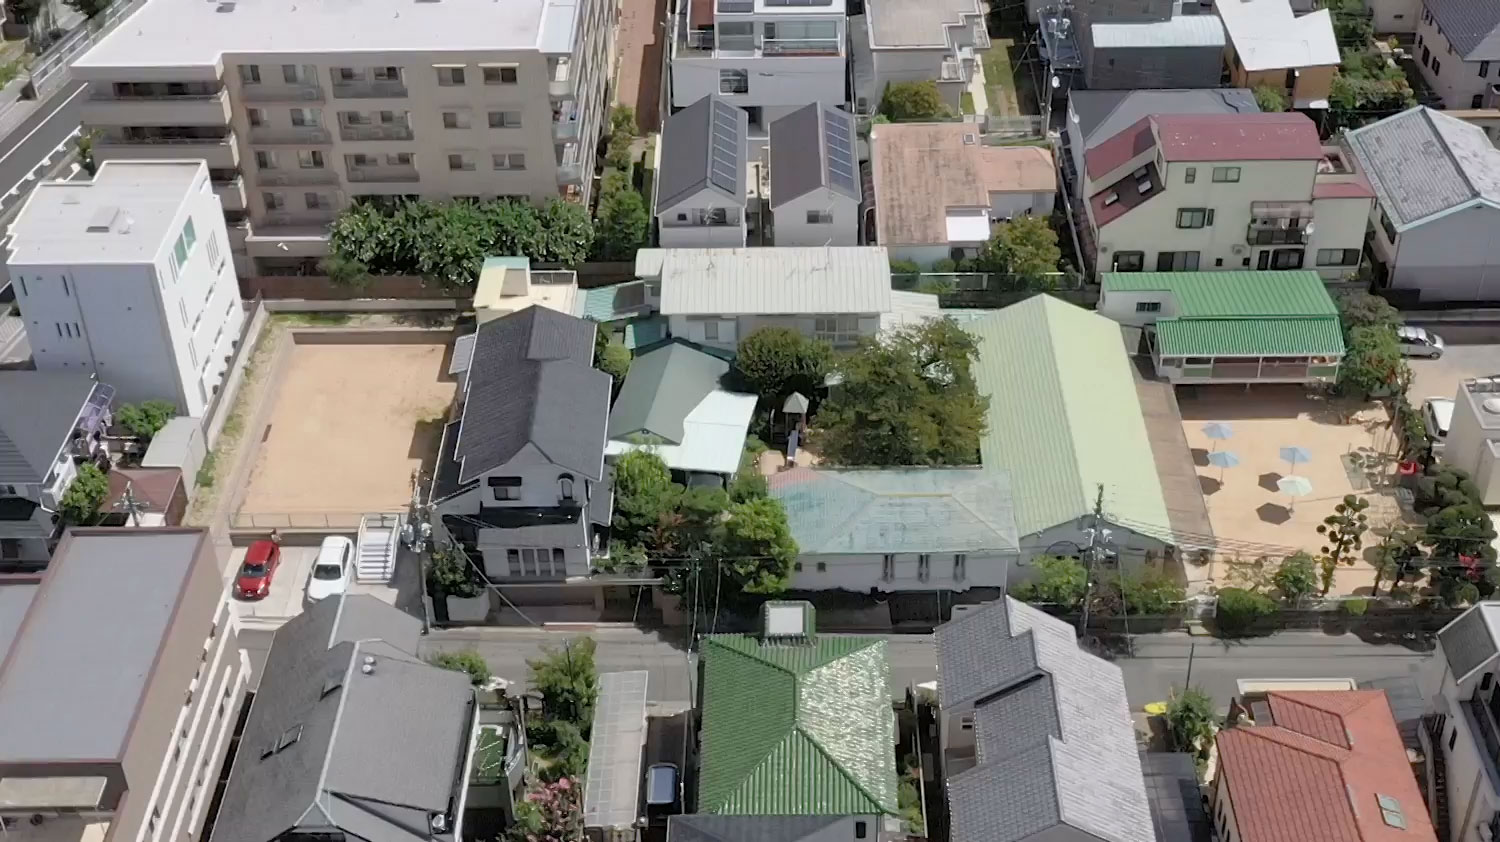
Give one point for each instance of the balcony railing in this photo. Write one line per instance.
(561, 83)
(1259, 235)
(290, 178)
(297, 135)
(113, 138)
(302, 92)
(570, 173)
(312, 217)
(799, 47)
(386, 174)
(383, 132)
(1479, 715)
(106, 95)
(565, 125)
(372, 89)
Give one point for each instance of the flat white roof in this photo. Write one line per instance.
(196, 33)
(122, 216)
(968, 227)
(1267, 36)
(713, 436)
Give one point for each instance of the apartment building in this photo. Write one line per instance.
(916, 41)
(766, 56)
(128, 277)
(301, 109)
(115, 729)
(1183, 193)
(1458, 46)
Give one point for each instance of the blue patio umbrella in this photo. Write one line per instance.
(1295, 455)
(1217, 431)
(1223, 459)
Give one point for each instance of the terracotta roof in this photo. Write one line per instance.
(1319, 771)
(1357, 189)
(1283, 136)
(154, 487)
(1118, 150)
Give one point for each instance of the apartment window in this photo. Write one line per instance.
(307, 117)
(317, 201)
(1477, 101)
(386, 74)
(182, 310)
(887, 567)
(1177, 261)
(1437, 66)
(1338, 257)
(265, 160)
(1226, 174)
(1484, 70)
(273, 201)
(565, 487)
(500, 75)
(505, 119)
(506, 488)
(398, 159)
(1191, 176)
(255, 116)
(1453, 738)
(960, 566)
(817, 217)
(180, 252)
(536, 562)
(1130, 261)
(22, 282)
(1486, 680)
(1279, 259)
(310, 159)
(292, 74)
(456, 119)
(353, 118)
(924, 567)
(836, 330)
(459, 161)
(1426, 57)
(508, 160)
(359, 159)
(1389, 228)
(250, 74)
(716, 330)
(1194, 217)
(861, 830)
(450, 77)
(734, 81)
(1148, 306)
(391, 118)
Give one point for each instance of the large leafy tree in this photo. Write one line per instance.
(913, 102)
(908, 398)
(1025, 246)
(644, 494)
(1057, 580)
(623, 219)
(1372, 361)
(85, 494)
(1191, 720)
(568, 681)
(1344, 532)
(774, 362)
(144, 420)
(1270, 99)
(755, 545)
(1297, 577)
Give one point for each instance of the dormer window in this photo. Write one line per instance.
(506, 488)
(1111, 199)
(565, 486)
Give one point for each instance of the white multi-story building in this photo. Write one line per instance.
(766, 56)
(128, 277)
(302, 108)
(917, 41)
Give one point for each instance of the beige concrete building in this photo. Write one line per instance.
(1458, 46)
(121, 678)
(305, 106)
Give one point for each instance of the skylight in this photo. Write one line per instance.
(1390, 811)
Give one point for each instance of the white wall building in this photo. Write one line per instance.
(701, 186)
(1458, 46)
(916, 41)
(766, 56)
(129, 277)
(815, 185)
(1461, 730)
(1473, 442)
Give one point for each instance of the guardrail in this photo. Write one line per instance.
(50, 70)
(51, 164)
(340, 521)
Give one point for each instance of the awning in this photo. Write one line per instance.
(1269, 337)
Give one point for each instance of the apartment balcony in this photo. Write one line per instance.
(294, 136)
(565, 124)
(297, 92)
(103, 108)
(384, 132)
(297, 177)
(311, 219)
(231, 193)
(569, 174)
(390, 175)
(560, 85)
(219, 152)
(800, 47)
(370, 89)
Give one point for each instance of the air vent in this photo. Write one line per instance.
(970, 140)
(1491, 405)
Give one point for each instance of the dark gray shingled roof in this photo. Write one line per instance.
(1472, 27)
(1104, 114)
(1469, 642)
(533, 382)
(326, 744)
(38, 411)
(688, 152)
(800, 160)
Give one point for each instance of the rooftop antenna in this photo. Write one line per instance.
(130, 505)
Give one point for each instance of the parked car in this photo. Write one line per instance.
(662, 793)
(257, 570)
(1419, 342)
(332, 570)
(1438, 414)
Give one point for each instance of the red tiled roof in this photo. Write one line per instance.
(1276, 136)
(1316, 773)
(1357, 189)
(1118, 150)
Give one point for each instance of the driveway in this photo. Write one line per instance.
(641, 44)
(1441, 377)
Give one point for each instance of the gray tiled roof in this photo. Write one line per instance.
(1056, 745)
(1472, 27)
(687, 152)
(532, 382)
(1422, 162)
(38, 410)
(664, 385)
(799, 154)
(1104, 114)
(1470, 641)
(704, 827)
(372, 751)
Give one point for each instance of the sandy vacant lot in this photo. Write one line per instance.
(350, 424)
(1250, 517)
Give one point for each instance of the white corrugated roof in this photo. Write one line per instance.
(1177, 31)
(772, 281)
(1268, 36)
(713, 436)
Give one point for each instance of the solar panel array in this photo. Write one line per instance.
(612, 794)
(838, 136)
(724, 164)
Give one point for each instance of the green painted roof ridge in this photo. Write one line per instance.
(1055, 333)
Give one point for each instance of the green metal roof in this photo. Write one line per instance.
(1233, 294)
(1250, 337)
(796, 728)
(1064, 416)
(662, 387)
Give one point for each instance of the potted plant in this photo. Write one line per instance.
(451, 578)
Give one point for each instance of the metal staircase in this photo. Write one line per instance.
(1437, 757)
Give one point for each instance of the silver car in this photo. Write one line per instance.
(1419, 342)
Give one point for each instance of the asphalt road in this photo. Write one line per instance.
(1159, 662)
(42, 130)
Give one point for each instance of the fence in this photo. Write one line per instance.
(50, 70)
(53, 165)
(333, 521)
(998, 128)
(319, 288)
(992, 290)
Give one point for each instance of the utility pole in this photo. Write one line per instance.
(1095, 533)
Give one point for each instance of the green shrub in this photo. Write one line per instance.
(946, 264)
(904, 267)
(1355, 607)
(464, 660)
(1239, 609)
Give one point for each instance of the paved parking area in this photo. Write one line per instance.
(1440, 377)
(289, 588)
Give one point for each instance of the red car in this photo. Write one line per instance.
(261, 561)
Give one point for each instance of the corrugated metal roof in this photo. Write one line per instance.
(1250, 337)
(848, 279)
(796, 729)
(1064, 416)
(1177, 31)
(1237, 294)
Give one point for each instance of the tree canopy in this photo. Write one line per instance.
(1270, 99)
(447, 242)
(756, 546)
(913, 102)
(774, 362)
(1372, 361)
(1025, 246)
(908, 398)
(644, 492)
(85, 494)
(623, 221)
(145, 420)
